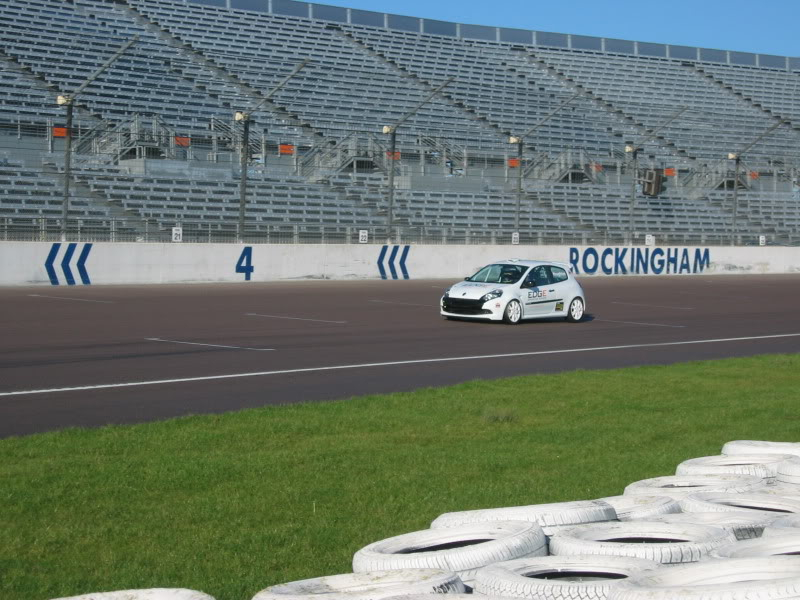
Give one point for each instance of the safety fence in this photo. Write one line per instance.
(21, 229)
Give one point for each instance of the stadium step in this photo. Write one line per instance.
(419, 82)
(568, 81)
(730, 89)
(188, 51)
(39, 81)
(81, 189)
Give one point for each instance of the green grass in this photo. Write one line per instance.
(233, 503)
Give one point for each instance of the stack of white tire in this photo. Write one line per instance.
(723, 527)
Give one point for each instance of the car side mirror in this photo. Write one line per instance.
(467, 279)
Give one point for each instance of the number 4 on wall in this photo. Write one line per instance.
(245, 263)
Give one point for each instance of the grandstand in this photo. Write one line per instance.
(615, 139)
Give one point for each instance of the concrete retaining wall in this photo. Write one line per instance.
(46, 263)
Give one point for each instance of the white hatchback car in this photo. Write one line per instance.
(513, 290)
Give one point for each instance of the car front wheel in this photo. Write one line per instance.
(575, 312)
(513, 312)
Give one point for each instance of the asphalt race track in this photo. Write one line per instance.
(90, 356)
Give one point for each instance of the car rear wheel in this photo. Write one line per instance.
(513, 312)
(575, 312)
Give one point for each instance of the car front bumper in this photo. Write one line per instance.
(472, 309)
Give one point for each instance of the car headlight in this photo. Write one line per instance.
(447, 293)
(492, 295)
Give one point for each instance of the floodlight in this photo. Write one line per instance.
(629, 149)
(240, 116)
(388, 129)
(732, 156)
(514, 140)
(62, 100)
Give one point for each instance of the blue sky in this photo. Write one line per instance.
(765, 26)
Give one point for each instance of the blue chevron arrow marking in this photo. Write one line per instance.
(391, 261)
(380, 261)
(65, 266)
(82, 264)
(65, 263)
(392, 256)
(48, 264)
(403, 258)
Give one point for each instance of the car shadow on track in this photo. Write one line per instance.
(587, 318)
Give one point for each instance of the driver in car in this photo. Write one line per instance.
(508, 275)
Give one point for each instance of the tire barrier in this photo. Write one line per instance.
(760, 447)
(789, 472)
(679, 486)
(556, 530)
(148, 594)
(712, 502)
(366, 586)
(745, 525)
(462, 549)
(460, 596)
(634, 507)
(559, 577)
(783, 525)
(717, 579)
(725, 527)
(779, 488)
(664, 543)
(778, 545)
(546, 515)
(760, 465)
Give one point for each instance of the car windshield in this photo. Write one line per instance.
(499, 274)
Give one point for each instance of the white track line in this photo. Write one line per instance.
(653, 306)
(646, 324)
(293, 318)
(73, 299)
(106, 386)
(210, 345)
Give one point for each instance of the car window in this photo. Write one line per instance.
(499, 274)
(536, 277)
(528, 279)
(558, 274)
(540, 276)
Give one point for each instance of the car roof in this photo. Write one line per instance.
(531, 262)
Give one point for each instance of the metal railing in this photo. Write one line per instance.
(43, 229)
(362, 151)
(352, 174)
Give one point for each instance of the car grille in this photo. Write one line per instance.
(460, 306)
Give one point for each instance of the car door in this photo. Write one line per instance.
(558, 290)
(535, 292)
